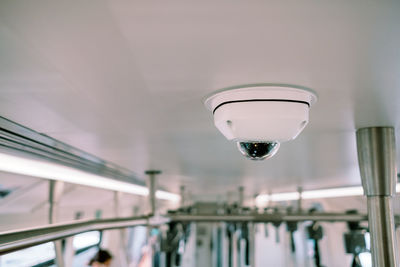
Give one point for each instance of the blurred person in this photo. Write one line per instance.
(101, 259)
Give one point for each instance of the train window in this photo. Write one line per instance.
(85, 246)
(29, 256)
(365, 259)
(43, 255)
(86, 240)
(136, 242)
(83, 258)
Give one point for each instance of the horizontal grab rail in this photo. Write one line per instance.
(271, 217)
(19, 239)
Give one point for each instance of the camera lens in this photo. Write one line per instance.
(258, 150)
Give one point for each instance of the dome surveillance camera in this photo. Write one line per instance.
(258, 151)
(260, 117)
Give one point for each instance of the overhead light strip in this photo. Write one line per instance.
(47, 170)
(314, 194)
(333, 192)
(19, 140)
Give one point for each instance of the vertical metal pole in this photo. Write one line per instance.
(377, 159)
(241, 196)
(153, 208)
(182, 193)
(152, 189)
(214, 245)
(235, 256)
(300, 201)
(252, 240)
(55, 193)
(117, 196)
(121, 247)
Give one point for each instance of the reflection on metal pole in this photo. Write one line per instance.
(55, 193)
(377, 159)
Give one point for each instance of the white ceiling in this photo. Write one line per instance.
(125, 80)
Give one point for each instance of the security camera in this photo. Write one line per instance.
(260, 117)
(258, 150)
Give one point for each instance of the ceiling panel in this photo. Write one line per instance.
(125, 80)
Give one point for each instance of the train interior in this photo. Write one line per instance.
(199, 134)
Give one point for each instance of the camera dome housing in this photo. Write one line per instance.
(261, 113)
(258, 151)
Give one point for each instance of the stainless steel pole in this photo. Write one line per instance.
(56, 189)
(182, 193)
(152, 189)
(377, 159)
(241, 196)
(153, 209)
(55, 192)
(252, 241)
(120, 238)
(235, 250)
(300, 201)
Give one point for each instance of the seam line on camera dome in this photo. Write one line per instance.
(261, 100)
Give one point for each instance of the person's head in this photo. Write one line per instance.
(101, 258)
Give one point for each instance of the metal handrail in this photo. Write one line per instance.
(19, 239)
(271, 217)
